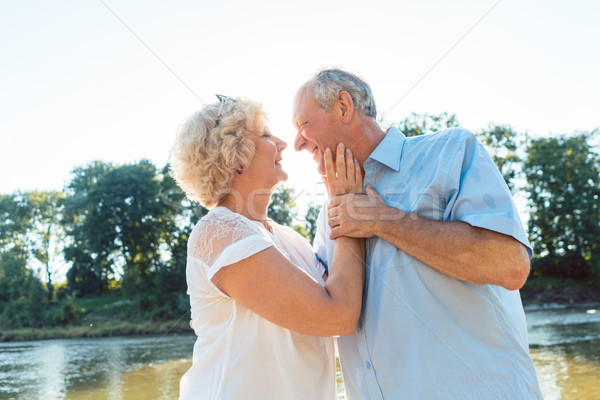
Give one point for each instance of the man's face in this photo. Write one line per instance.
(315, 129)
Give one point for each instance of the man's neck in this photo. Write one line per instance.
(365, 138)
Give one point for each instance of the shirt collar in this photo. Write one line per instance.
(389, 150)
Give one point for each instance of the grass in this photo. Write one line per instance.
(108, 315)
(98, 329)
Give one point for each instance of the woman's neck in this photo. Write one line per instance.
(251, 205)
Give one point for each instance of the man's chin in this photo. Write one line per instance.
(321, 169)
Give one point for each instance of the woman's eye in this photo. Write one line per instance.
(266, 135)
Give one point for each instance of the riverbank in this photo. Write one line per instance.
(101, 316)
(550, 297)
(107, 316)
(102, 329)
(559, 294)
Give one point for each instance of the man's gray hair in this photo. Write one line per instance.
(328, 83)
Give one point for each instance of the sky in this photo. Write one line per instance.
(112, 80)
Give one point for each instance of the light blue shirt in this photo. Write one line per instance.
(423, 334)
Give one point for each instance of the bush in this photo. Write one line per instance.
(65, 312)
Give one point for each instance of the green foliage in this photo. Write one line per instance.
(15, 220)
(310, 219)
(89, 272)
(22, 295)
(563, 176)
(63, 313)
(422, 124)
(124, 230)
(13, 274)
(46, 235)
(281, 206)
(123, 222)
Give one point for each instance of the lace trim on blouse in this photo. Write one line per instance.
(217, 231)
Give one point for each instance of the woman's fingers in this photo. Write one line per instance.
(329, 170)
(349, 166)
(340, 162)
(358, 176)
(346, 176)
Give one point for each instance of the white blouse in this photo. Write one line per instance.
(239, 354)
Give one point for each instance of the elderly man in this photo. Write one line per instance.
(446, 254)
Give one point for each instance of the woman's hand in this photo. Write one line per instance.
(347, 177)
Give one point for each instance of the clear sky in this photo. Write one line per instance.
(112, 80)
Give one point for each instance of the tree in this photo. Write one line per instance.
(45, 235)
(310, 218)
(502, 142)
(13, 273)
(89, 271)
(14, 221)
(421, 124)
(282, 205)
(21, 292)
(179, 217)
(563, 176)
(128, 222)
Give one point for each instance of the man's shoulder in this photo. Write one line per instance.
(446, 142)
(448, 135)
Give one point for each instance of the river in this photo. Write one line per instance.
(565, 346)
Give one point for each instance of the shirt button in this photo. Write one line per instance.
(368, 365)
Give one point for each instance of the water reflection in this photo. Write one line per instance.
(105, 368)
(565, 346)
(50, 371)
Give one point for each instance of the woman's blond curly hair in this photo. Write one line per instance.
(212, 144)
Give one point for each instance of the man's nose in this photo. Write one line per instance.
(299, 142)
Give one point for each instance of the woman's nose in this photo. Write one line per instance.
(281, 145)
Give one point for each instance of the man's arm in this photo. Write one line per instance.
(457, 249)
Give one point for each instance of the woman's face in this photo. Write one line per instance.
(265, 167)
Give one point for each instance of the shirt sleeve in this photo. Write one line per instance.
(477, 194)
(222, 242)
(322, 245)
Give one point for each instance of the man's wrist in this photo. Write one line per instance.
(386, 220)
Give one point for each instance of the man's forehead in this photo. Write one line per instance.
(304, 98)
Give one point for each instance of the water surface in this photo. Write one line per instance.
(565, 347)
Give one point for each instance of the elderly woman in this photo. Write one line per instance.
(263, 307)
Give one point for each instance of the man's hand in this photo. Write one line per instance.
(357, 215)
(457, 249)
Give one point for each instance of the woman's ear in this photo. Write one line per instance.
(346, 106)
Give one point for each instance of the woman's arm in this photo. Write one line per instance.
(269, 284)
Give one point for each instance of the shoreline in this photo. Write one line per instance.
(549, 297)
(105, 328)
(534, 299)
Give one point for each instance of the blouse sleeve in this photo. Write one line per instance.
(222, 241)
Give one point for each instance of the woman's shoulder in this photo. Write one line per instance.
(219, 228)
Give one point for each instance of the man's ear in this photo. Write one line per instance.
(346, 106)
